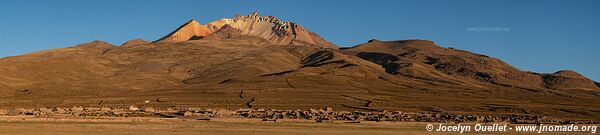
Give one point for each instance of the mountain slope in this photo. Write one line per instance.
(237, 71)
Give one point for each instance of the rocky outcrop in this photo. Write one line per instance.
(271, 28)
(191, 30)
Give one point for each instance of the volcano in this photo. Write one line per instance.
(269, 63)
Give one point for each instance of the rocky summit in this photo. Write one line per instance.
(261, 62)
(275, 31)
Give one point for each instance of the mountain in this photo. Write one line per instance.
(233, 68)
(273, 29)
(191, 30)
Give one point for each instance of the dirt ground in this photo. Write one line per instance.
(135, 126)
(222, 126)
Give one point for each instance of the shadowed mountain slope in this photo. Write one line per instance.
(424, 59)
(567, 79)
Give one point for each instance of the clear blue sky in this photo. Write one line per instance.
(534, 35)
